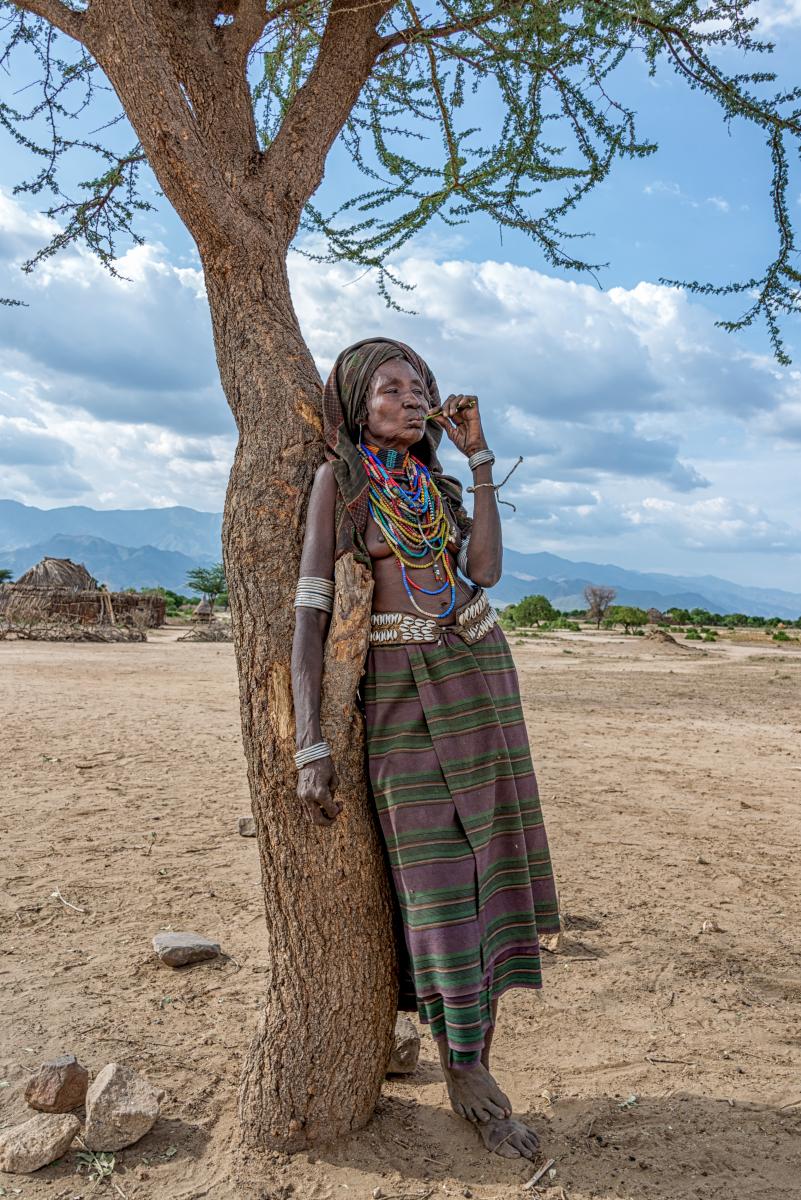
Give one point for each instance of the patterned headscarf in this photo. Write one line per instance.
(344, 411)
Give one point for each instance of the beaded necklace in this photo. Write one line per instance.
(406, 505)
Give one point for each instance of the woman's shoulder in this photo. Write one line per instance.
(324, 486)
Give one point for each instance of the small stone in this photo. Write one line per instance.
(178, 949)
(121, 1107)
(37, 1142)
(58, 1086)
(406, 1047)
(247, 827)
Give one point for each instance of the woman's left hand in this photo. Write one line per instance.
(461, 420)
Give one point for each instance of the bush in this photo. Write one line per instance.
(693, 635)
(562, 623)
(531, 610)
(781, 636)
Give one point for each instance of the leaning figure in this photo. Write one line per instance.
(449, 762)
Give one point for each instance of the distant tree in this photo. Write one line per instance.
(533, 609)
(598, 600)
(6, 575)
(680, 615)
(209, 581)
(627, 615)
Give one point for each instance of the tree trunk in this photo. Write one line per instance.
(315, 1066)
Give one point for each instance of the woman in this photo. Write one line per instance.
(448, 755)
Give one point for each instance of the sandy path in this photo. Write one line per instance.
(671, 782)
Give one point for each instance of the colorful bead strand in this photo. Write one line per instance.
(407, 507)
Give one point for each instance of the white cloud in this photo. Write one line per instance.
(777, 14)
(661, 187)
(111, 395)
(717, 523)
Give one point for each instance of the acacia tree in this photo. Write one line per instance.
(234, 105)
(209, 581)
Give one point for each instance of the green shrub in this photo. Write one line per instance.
(781, 636)
(693, 635)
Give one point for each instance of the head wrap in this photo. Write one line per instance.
(344, 410)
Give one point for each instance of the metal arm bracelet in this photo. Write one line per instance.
(311, 754)
(313, 592)
(480, 456)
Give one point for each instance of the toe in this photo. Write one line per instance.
(459, 1109)
(508, 1150)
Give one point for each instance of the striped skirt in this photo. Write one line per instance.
(451, 773)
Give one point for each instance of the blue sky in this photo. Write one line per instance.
(651, 438)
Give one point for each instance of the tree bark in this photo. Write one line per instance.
(315, 1066)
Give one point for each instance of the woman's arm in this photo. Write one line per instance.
(461, 420)
(317, 781)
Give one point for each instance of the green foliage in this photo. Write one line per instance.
(781, 636)
(562, 623)
(209, 581)
(98, 1164)
(693, 635)
(531, 610)
(418, 132)
(627, 615)
(6, 575)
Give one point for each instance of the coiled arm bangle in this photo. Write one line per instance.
(311, 754)
(313, 592)
(480, 457)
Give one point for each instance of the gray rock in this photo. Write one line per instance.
(121, 1107)
(178, 949)
(406, 1047)
(247, 827)
(58, 1086)
(37, 1142)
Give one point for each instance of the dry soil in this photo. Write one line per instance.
(663, 1060)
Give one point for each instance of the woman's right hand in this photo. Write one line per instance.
(317, 783)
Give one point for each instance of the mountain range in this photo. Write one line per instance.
(157, 546)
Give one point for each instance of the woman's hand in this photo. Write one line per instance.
(461, 420)
(317, 783)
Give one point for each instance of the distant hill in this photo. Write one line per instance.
(119, 567)
(563, 582)
(196, 534)
(148, 546)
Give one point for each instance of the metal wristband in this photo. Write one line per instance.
(480, 457)
(313, 592)
(311, 754)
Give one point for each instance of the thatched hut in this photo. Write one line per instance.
(59, 589)
(204, 612)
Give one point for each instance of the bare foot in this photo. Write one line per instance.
(475, 1095)
(509, 1138)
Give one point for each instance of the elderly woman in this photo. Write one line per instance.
(449, 761)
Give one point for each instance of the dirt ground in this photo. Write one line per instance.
(663, 1060)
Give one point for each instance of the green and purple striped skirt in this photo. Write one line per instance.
(454, 786)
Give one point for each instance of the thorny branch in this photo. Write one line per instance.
(395, 76)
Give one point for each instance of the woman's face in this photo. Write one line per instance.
(396, 406)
